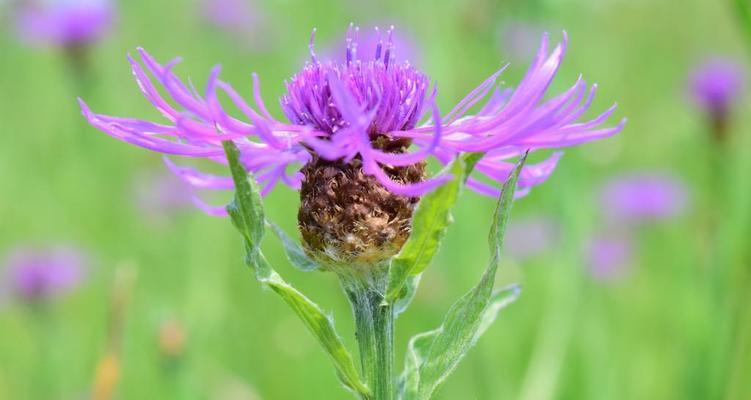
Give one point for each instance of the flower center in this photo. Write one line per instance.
(390, 94)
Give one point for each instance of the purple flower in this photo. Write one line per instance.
(715, 84)
(609, 257)
(348, 110)
(36, 274)
(65, 23)
(242, 18)
(517, 40)
(526, 238)
(644, 196)
(159, 194)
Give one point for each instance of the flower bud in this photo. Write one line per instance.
(171, 339)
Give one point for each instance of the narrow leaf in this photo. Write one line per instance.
(417, 350)
(246, 212)
(470, 161)
(429, 222)
(295, 254)
(322, 327)
(409, 291)
(500, 299)
(246, 209)
(468, 317)
(419, 345)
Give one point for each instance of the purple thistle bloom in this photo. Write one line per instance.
(65, 23)
(344, 110)
(716, 83)
(40, 274)
(640, 197)
(609, 257)
(527, 238)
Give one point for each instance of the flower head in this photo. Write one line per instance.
(160, 194)
(234, 14)
(65, 23)
(243, 19)
(171, 337)
(40, 274)
(645, 196)
(716, 83)
(609, 257)
(714, 86)
(517, 39)
(368, 120)
(526, 238)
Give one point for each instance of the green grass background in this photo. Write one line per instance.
(676, 327)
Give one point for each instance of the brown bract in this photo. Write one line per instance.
(347, 217)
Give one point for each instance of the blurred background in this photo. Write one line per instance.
(635, 256)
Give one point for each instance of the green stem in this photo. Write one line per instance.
(743, 12)
(375, 337)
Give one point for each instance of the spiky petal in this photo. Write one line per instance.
(373, 109)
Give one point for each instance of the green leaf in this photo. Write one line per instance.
(417, 350)
(429, 222)
(439, 352)
(408, 294)
(419, 345)
(322, 327)
(500, 299)
(246, 211)
(295, 254)
(470, 161)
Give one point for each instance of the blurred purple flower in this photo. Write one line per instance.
(243, 19)
(347, 110)
(36, 274)
(160, 194)
(638, 197)
(517, 40)
(237, 15)
(609, 257)
(526, 238)
(716, 83)
(65, 23)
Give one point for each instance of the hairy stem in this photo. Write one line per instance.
(375, 337)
